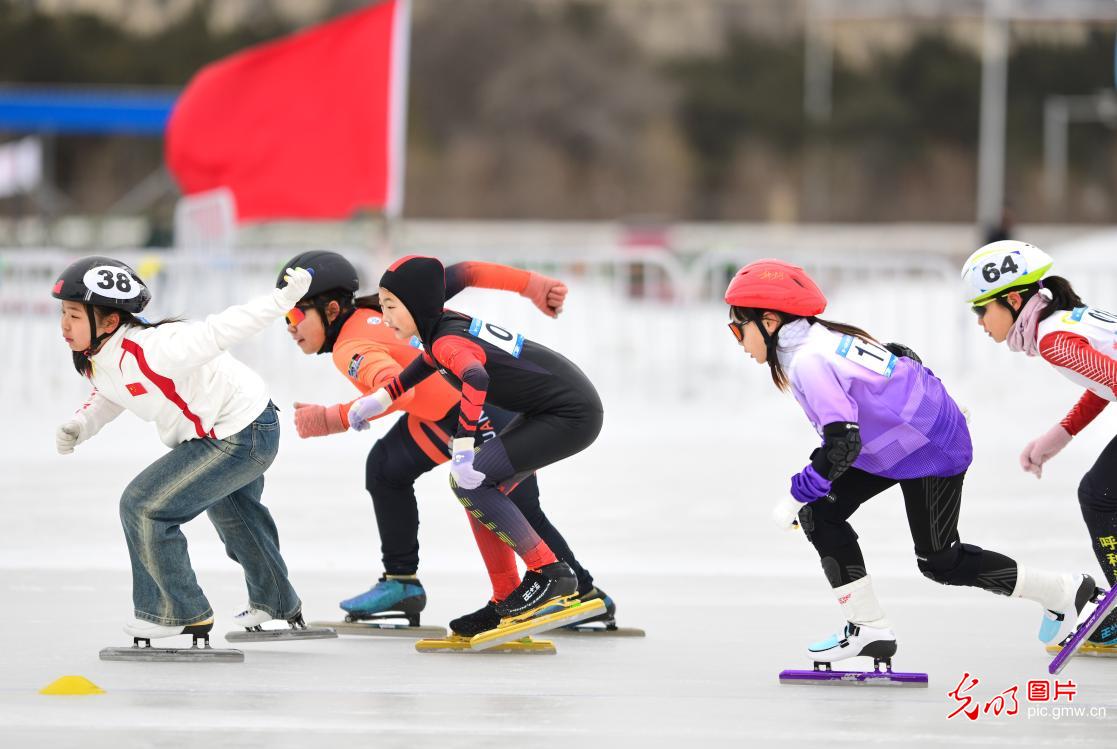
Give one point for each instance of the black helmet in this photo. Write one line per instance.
(331, 271)
(102, 282)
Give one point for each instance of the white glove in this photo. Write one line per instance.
(298, 283)
(367, 408)
(67, 437)
(786, 511)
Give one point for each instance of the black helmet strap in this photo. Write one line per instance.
(95, 340)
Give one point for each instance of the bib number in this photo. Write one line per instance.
(111, 282)
(512, 343)
(869, 355)
(1106, 321)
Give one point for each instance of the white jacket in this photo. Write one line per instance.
(180, 376)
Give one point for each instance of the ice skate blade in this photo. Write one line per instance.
(1088, 648)
(173, 655)
(275, 635)
(853, 678)
(459, 644)
(383, 629)
(599, 629)
(1087, 628)
(572, 613)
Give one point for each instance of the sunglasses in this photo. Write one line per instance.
(295, 316)
(738, 330)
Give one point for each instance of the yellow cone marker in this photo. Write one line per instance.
(71, 685)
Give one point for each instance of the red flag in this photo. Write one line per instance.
(308, 126)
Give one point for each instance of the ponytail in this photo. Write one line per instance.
(779, 376)
(1063, 296)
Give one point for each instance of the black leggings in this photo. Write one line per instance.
(397, 460)
(1097, 496)
(933, 506)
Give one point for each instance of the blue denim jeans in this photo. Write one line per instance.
(224, 478)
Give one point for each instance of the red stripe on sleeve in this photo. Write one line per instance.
(1074, 352)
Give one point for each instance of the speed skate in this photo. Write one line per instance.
(460, 644)
(878, 643)
(1075, 642)
(199, 652)
(568, 610)
(296, 629)
(388, 624)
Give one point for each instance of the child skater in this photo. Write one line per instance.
(329, 319)
(213, 413)
(884, 419)
(1018, 303)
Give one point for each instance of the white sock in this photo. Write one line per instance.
(860, 605)
(1048, 589)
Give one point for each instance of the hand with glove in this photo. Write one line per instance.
(312, 420)
(806, 486)
(1044, 448)
(68, 436)
(461, 464)
(298, 283)
(367, 408)
(548, 294)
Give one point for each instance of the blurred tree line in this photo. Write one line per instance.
(521, 110)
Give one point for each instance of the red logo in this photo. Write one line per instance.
(1006, 702)
(136, 388)
(57, 287)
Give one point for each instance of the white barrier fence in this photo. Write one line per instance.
(642, 325)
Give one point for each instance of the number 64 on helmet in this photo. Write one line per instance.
(999, 267)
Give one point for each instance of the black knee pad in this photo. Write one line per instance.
(1095, 498)
(823, 530)
(958, 564)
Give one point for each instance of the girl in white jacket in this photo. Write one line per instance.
(215, 415)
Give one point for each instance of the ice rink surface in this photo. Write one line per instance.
(680, 537)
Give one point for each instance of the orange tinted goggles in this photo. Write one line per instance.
(295, 316)
(738, 330)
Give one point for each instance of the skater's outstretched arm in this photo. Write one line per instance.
(184, 345)
(86, 422)
(1074, 353)
(547, 294)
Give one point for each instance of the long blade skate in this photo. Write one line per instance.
(1093, 649)
(199, 652)
(459, 644)
(1071, 646)
(382, 625)
(296, 630)
(513, 628)
(822, 675)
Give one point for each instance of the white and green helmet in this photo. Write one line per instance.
(1000, 267)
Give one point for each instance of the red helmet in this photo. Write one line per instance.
(776, 285)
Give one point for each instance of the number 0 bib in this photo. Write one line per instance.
(513, 343)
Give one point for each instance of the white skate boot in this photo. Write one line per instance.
(878, 643)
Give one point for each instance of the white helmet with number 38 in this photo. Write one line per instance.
(1000, 267)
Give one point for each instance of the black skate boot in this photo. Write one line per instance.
(481, 620)
(539, 587)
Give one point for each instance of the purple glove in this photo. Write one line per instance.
(461, 464)
(367, 408)
(1044, 448)
(808, 485)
